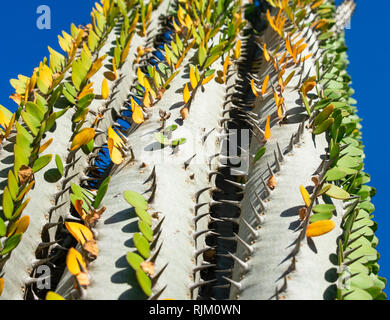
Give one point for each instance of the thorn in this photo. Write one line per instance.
(235, 284)
(154, 257)
(196, 235)
(29, 280)
(280, 154)
(197, 218)
(252, 231)
(271, 173)
(199, 193)
(151, 198)
(187, 163)
(266, 186)
(52, 209)
(246, 246)
(152, 175)
(158, 294)
(261, 202)
(347, 253)
(157, 276)
(204, 138)
(198, 206)
(259, 218)
(244, 266)
(155, 239)
(200, 284)
(203, 267)
(158, 226)
(277, 163)
(37, 262)
(291, 144)
(203, 250)
(236, 184)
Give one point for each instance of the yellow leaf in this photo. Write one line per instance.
(186, 94)
(319, 228)
(79, 231)
(265, 85)
(75, 262)
(280, 112)
(105, 89)
(237, 51)
(115, 137)
(141, 77)
(177, 28)
(138, 116)
(193, 80)
(307, 57)
(115, 154)
(146, 99)
(53, 296)
(184, 113)
(305, 196)
(46, 75)
(82, 138)
(267, 131)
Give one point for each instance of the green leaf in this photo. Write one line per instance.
(143, 215)
(335, 174)
(42, 162)
(146, 230)
(144, 282)
(11, 243)
(3, 228)
(259, 154)
(142, 245)
(101, 192)
(178, 142)
(362, 281)
(170, 128)
(321, 216)
(32, 122)
(323, 126)
(321, 208)
(8, 204)
(324, 115)
(59, 164)
(36, 111)
(136, 200)
(202, 54)
(13, 186)
(336, 192)
(134, 260)
(86, 101)
(163, 140)
(356, 294)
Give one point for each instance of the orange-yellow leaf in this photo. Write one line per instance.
(186, 94)
(307, 87)
(305, 196)
(177, 28)
(20, 226)
(208, 79)
(114, 136)
(319, 228)
(78, 205)
(105, 89)
(1, 285)
(184, 113)
(254, 89)
(317, 4)
(265, 85)
(82, 138)
(307, 57)
(267, 131)
(226, 65)
(79, 231)
(266, 54)
(75, 262)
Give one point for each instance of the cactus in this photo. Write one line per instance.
(189, 150)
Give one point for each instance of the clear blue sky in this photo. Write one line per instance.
(24, 46)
